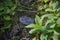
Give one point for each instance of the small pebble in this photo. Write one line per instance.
(26, 20)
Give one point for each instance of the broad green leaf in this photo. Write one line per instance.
(46, 0)
(50, 31)
(58, 9)
(47, 24)
(13, 7)
(8, 10)
(56, 33)
(55, 4)
(34, 38)
(41, 20)
(58, 22)
(55, 36)
(40, 7)
(43, 37)
(52, 26)
(50, 10)
(46, 6)
(50, 4)
(42, 17)
(31, 26)
(7, 18)
(38, 27)
(32, 31)
(37, 20)
(51, 16)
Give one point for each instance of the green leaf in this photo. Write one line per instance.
(55, 36)
(43, 37)
(12, 13)
(7, 26)
(31, 26)
(47, 24)
(55, 4)
(34, 38)
(37, 20)
(46, 0)
(8, 10)
(52, 26)
(51, 16)
(13, 7)
(7, 18)
(38, 27)
(40, 7)
(1, 8)
(58, 9)
(57, 29)
(50, 10)
(56, 33)
(8, 3)
(32, 31)
(42, 18)
(58, 22)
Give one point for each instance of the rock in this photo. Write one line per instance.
(26, 20)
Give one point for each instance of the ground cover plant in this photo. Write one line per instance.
(30, 19)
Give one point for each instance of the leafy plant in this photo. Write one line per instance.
(47, 29)
(7, 9)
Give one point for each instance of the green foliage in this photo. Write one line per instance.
(58, 22)
(47, 23)
(48, 29)
(7, 9)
